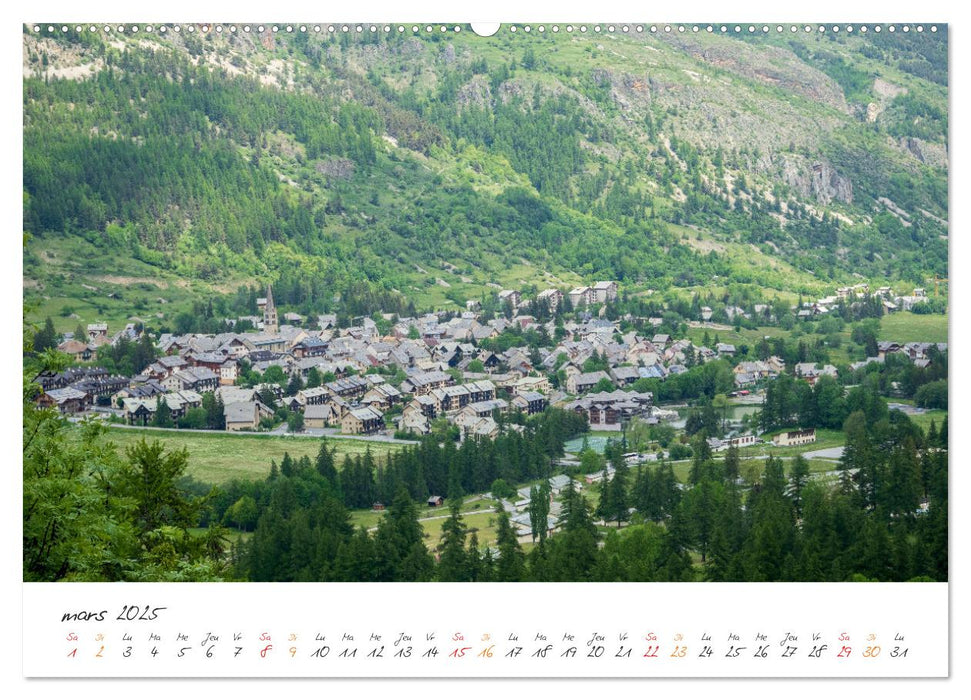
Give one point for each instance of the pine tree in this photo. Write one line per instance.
(539, 510)
(453, 563)
(325, 463)
(604, 504)
(163, 415)
(473, 559)
(511, 563)
(798, 478)
(46, 338)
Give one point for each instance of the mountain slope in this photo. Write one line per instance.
(443, 166)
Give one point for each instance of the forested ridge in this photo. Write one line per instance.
(379, 157)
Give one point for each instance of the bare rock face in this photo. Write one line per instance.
(817, 179)
(827, 184)
(932, 154)
(475, 93)
(335, 168)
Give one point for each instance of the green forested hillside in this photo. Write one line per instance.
(422, 169)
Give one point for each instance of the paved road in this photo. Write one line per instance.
(277, 433)
(828, 453)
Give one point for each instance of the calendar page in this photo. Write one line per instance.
(603, 348)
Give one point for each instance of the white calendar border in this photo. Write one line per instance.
(506, 10)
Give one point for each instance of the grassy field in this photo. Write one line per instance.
(924, 419)
(215, 458)
(477, 515)
(905, 327)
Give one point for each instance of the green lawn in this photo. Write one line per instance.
(215, 458)
(905, 327)
(924, 419)
(478, 514)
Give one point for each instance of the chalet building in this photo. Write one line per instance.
(603, 292)
(529, 402)
(381, 396)
(810, 372)
(97, 331)
(348, 388)
(481, 390)
(435, 501)
(426, 381)
(585, 381)
(510, 296)
(79, 351)
(67, 400)
(200, 379)
(142, 411)
(742, 441)
(613, 407)
(313, 396)
(413, 420)
(209, 360)
(427, 405)
(311, 346)
(245, 415)
(483, 409)
(98, 387)
(362, 421)
(165, 366)
(552, 297)
(580, 296)
(531, 384)
(228, 373)
(795, 437)
(624, 376)
(323, 415)
(478, 427)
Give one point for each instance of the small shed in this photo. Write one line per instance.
(435, 501)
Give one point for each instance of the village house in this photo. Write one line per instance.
(381, 396)
(362, 421)
(322, 415)
(479, 427)
(229, 372)
(811, 373)
(424, 382)
(551, 297)
(539, 384)
(795, 437)
(510, 296)
(580, 296)
(313, 396)
(245, 415)
(611, 408)
(97, 331)
(413, 420)
(585, 381)
(603, 292)
(624, 376)
(79, 351)
(529, 402)
(67, 400)
(348, 388)
(311, 346)
(483, 409)
(165, 366)
(200, 379)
